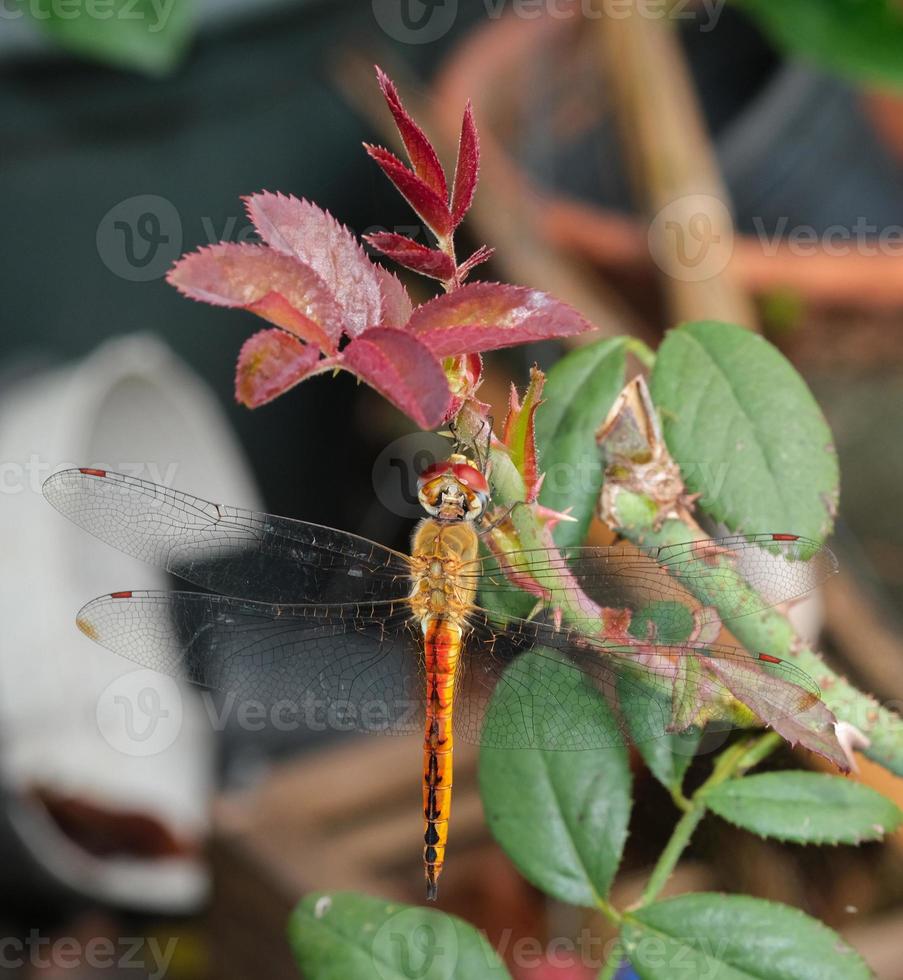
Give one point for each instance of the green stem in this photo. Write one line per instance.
(680, 801)
(760, 749)
(610, 967)
(507, 484)
(642, 352)
(608, 910)
(731, 763)
(634, 515)
(667, 861)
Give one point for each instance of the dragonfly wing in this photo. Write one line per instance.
(227, 549)
(531, 686)
(518, 691)
(345, 668)
(676, 589)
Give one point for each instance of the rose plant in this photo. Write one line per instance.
(714, 392)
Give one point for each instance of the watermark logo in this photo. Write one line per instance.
(691, 239)
(415, 21)
(420, 949)
(139, 238)
(397, 467)
(423, 21)
(140, 713)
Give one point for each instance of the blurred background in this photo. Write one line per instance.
(131, 129)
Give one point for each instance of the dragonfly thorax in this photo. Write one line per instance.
(439, 551)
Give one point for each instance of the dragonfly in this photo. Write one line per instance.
(375, 640)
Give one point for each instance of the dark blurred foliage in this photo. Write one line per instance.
(254, 106)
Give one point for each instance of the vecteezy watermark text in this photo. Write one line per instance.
(28, 475)
(155, 13)
(862, 237)
(140, 237)
(397, 467)
(432, 949)
(692, 239)
(140, 713)
(41, 952)
(424, 21)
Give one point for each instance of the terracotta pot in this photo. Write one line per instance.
(509, 66)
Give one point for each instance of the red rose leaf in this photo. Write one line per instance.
(422, 198)
(272, 285)
(486, 316)
(412, 255)
(420, 150)
(403, 370)
(466, 169)
(396, 304)
(270, 363)
(310, 234)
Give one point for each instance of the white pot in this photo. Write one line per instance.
(76, 719)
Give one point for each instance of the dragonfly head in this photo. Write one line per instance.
(453, 490)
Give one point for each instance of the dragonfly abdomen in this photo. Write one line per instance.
(442, 649)
(440, 601)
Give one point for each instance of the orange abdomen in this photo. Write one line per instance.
(441, 599)
(442, 648)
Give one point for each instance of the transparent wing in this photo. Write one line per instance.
(531, 686)
(227, 549)
(717, 579)
(359, 668)
(346, 668)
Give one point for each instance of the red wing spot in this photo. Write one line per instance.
(769, 659)
(120, 595)
(785, 537)
(89, 472)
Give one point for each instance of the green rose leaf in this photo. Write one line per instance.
(736, 937)
(147, 35)
(805, 807)
(347, 936)
(669, 756)
(862, 39)
(579, 391)
(746, 431)
(561, 816)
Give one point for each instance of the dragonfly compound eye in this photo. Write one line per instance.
(430, 495)
(453, 490)
(476, 504)
(471, 477)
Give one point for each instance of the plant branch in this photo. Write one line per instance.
(645, 501)
(641, 351)
(672, 162)
(611, 965)
(667, 861)
(731, 763)
(506, 211)
(608, 910)
(768, 630)
(679, 800)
